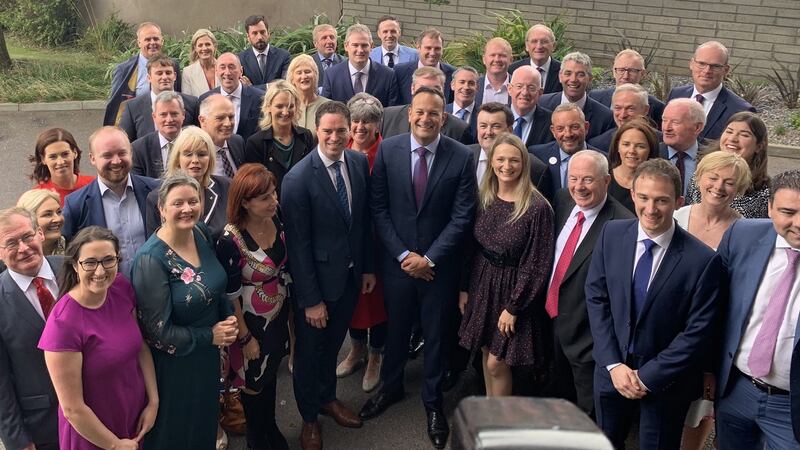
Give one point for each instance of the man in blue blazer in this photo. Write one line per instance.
(246, 99)
(325, 41)
(129, 78)
(360, 73)
(423, 205)
(464, 85)
(651, 295)
(326, 209)
(758, 384)
(629, 68)
(709, 66)
(430, 55)
(391, 52)
(262, 62)
(150, 152)
(540, 43)
(115, 200)
(575, 77)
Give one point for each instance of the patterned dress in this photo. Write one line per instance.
(510, 267)
(751, 205)
(178, 305)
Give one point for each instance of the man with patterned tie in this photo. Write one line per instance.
(581, 211)
(759, 378)
(27, 293)
(216, 118)
(325, 41)
(651, 295)
(464, 86)
(681, 125)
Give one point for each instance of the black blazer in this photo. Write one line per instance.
(473, 119)
(552, 83)
(137, 118)
(540, 133)
(405, 72)
(395, 121)
(236, 149)
(572, 326)
(278, 61)
(656, 106)
(147, 159)
(249, 111)
(381, 83)
(540, 176)
(259, 149)
(599, 117)
(335, 59)
(215, 201)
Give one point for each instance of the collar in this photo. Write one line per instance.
(710, 96)
(142, 61)
(395, 51)
(591, 212)
(364, 70)
(236, 92)
(528, 117)
(224, 146)
(545, 67)
(581, 103)
(438, 65)
(431, 147)
(691, 151)
(327, 162)
(483, 156)
(488, 84)
(662, 240)
(323, 57)
(256, 52)
(457, 107)
(780, 242)
(162, 141)
(103, 187)
(24, 281)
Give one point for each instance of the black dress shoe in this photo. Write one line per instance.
(449, 379)
(379, 403)
(438, 430)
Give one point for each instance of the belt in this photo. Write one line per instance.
(500, 259)
(761, 386)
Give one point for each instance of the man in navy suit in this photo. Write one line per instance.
(325, 41)
(137, 115)
(569, 128)
(758, 384)
(115, 200)
(360, 74)
(629, 68)
(540, 43)
(575, 77)
(151, 151)
(391, 52)
(246, 99)
(532, 122)
(709, 66)
(681, 126)
(464, 86)
(651, 294)
(326, 209)
(423, 204)
(629, 102)
(262, 63)
(216, 118)
(129, 78)
(493, 87)
(430, 46)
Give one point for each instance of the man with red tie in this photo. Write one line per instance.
(581, 211)
(27, 293)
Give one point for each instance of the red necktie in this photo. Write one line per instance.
(551, 304)
(46, 299)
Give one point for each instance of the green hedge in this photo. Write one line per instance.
(44, 23)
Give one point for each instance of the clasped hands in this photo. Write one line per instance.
(416, 266)
(224, 333)
(626, 382)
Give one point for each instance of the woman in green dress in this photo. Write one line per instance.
(185, 316)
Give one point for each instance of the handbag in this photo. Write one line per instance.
(231, 411)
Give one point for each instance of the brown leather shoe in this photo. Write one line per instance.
(341, 414)
(311, 436)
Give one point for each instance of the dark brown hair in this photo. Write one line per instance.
(636, 124)
(254, 20)
(251, 180)
(69, 278)
(41, 173)
(496, 107)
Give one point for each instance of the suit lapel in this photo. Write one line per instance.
(584, 250)
(18, 304)
(94, 206)
(716, 112)
(372, 78)
(324, 180)
(211, 197)
(357, 183)
(671, 259)
(554, 165)
(251, 64)
(628, 253)
(141, 197)
(440, 163)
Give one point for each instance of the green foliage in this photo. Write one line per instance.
(108, 38)
(51, 80)
(794, 120)
(661, 82)
(787, 81)
(44, 23)
(647, 47)
(511, 26)
(750, 90)
(780, 130)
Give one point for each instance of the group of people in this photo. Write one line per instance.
(593, 245)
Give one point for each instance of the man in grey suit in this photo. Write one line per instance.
(151, 151)
(216, 118)
(27, 294)
(326, 42)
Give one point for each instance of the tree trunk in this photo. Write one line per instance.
(5, 59)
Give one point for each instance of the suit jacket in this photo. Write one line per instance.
(656, 106)
(745, 250)
(540, 132)
(236, 148)
(472, 122)
(572, 327)
(404, 54)
(119, 86)
(726, 105)
(599, 117)
(27, 397)
(675, 325)
(249, 109)
(335, 59)
(215, 201)
(326, 251)
(137, 117)
(84, 207)
(147, 160)
(479, 93)
(194, 80)
(540, 176)
(446, 213)
(405, 72)
(381, 83)
(603, 141)
(551, 84)
(278, 61)
(550, 154)
(260, 149)
(395, 121)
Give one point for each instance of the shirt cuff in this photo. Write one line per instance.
(641, 382)
(611, 366)
(403, 256)
(430, 263)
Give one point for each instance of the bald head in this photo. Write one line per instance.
(525, 89)
(217, 117)
(229, 71)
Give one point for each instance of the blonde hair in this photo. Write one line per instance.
(202, 32)
(274, 89)
(718, 160)
(301, 60)
(525, 190)
(32, 200)
(189, 138)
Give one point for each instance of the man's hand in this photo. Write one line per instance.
(367, 283)
(245, 81)
(626, 382)
(416, 266)
(317, 315)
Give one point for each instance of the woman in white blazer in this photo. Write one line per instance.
(199, 76)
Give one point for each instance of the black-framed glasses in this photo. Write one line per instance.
(90, 265)
(13, 244)
(630, 70)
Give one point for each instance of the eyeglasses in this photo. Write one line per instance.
(624, 70)
(528, 87)
(13, 244)
(90, 265)
(713, 67)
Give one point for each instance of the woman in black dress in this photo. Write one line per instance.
(634, 143)
(510, 265)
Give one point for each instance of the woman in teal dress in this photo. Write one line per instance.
(185, 316)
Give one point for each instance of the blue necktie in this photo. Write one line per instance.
(641, 277)
(341, 190)
(518, 127)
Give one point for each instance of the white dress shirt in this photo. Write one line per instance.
(492, 95)
(580, 103)
(226, 153)
(483, 164)
(328, 163)
(589, 215)
(142, 83)
(26, 285)
(710, 97)
(236, 98)
(364, 76)
(528, 126)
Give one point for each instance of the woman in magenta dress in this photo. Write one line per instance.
(510, 265)
(57, 163)
(101, 368)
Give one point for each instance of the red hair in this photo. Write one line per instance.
(251, 180)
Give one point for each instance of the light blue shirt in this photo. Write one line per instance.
(689, 164)
(429, 157)
(142, 83)
(526, 129)
(125, 220)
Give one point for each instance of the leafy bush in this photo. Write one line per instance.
(52, 80)
(661, 81)
(647, 47)
(794, 120)
(108, 38)
(750, 90)
(44, 23)
(787, 82)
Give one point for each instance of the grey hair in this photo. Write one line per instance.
(6, 214)
(566, 107)
(696, 112)
(599, 160)
(205, 105)
(365, 108)
(580, 58)
(428, 72)
(358, 28)
(168, 96)
(469, 69)
(641, 93)
(177, 178)
(541, 26)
